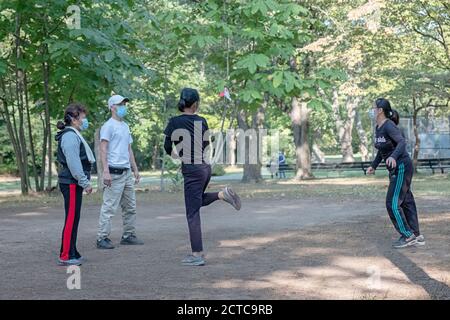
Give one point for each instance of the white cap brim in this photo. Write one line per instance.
(117, 99)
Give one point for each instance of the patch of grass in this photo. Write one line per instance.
(370, 188)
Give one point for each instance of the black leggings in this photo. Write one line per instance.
(73, 195)
(196, 179)
(400, 202)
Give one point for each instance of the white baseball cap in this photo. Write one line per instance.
(116, 99)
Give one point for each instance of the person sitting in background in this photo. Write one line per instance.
(281, 165)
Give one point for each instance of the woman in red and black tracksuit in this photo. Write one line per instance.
(75, 158)
(400, 202)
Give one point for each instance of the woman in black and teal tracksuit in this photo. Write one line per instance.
(400, 202)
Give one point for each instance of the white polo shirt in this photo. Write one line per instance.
(118, 134)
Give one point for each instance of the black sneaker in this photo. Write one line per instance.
(104, 244)
(404, 242)
(131, 240)
(232, 198)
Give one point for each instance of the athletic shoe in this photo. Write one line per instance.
(131, 240)
(404, 242)
(231, 197)
(104, 244)
(420, 240)
(70, 262)
(192, 260)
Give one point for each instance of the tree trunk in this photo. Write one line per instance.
(46, 72)
(363, 140)
(416, 136)
(318, 155)
(156, 158)
(46, 77)
(30, 138)
(44, 152)
(22, 159)
(231, 148)
(22, 141)
(12, 129)
(300, 127)
(345, 127)
(252, 171)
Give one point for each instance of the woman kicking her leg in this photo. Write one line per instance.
(193, 131)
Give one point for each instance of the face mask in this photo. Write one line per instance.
(121, 111)
(84, 124)
(372, 114)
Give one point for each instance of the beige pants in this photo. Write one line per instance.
(120, 192)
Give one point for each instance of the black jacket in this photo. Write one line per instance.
(64, 174)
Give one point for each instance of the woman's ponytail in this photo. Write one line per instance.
(188, 97)
(181, 104)
(395, 117)
(72, 111)
(60, 125)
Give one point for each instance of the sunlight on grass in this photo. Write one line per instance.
(360, 187)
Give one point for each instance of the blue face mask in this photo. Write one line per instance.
(121, 111)
(84, 124)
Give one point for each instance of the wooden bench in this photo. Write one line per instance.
(433, 164)
(284, 167)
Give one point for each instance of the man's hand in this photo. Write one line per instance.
(107, 178)
(390, 162)
(88, 189)
(137, 177)
(370, 170)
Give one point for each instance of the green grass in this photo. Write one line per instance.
(343, 188)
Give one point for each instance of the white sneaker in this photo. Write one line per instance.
(192, 260)
(420, 240)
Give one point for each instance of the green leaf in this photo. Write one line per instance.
(323, 84)
(255, 94)
(252, 67)
(3, 67)
(315, 104)
(261, 60)
(109, 55)
(290, 81)
(277, 79)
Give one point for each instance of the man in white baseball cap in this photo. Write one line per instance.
(118, 163)
(117, 100)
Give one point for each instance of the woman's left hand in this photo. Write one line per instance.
(390, 162)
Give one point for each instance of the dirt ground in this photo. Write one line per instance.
(305, 248)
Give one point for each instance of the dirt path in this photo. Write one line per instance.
(291, 249)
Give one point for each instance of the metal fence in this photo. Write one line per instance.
(434, 135)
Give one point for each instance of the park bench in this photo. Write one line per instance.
(432, 164)
(345, 166)
(284, 167)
